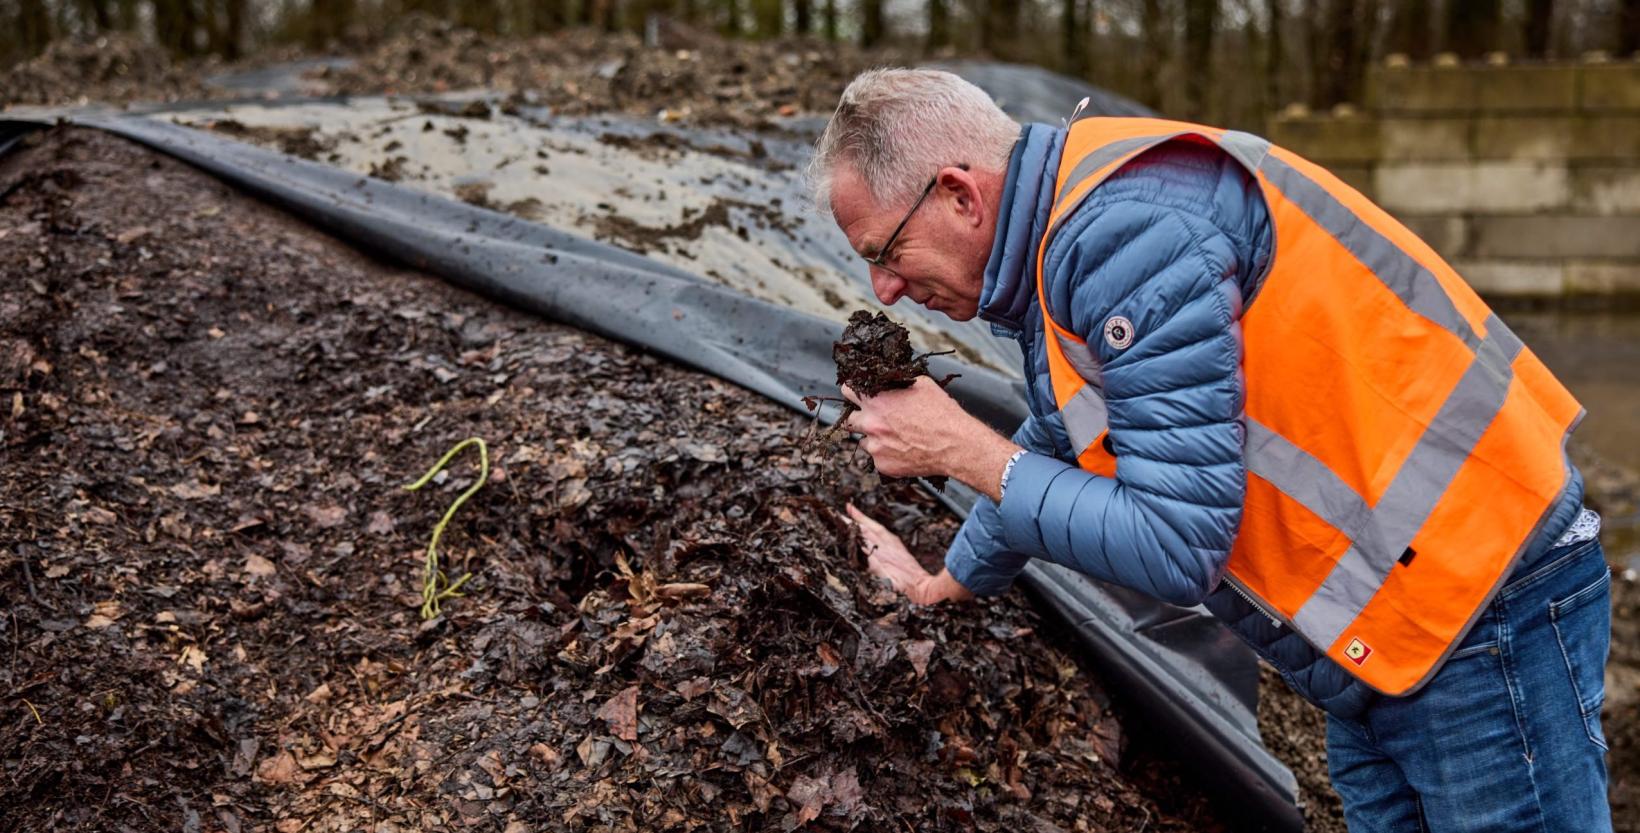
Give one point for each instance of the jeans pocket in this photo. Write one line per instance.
(1582, 624)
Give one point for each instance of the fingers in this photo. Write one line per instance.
(864, 520)
(850, 395)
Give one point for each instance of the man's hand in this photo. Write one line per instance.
(889, 558)
(921, 431)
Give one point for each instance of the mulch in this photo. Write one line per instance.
(207, 414)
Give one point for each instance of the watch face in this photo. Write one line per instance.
(1118, 332)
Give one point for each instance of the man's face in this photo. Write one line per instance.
(938, 259)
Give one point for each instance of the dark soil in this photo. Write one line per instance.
(212, 572)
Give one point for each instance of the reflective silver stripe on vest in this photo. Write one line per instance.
(1087, 165)
(1081, 358)
(1406, 277)
(1306, 480)
(1378, 543)
(1085, 418)
(1248, 149)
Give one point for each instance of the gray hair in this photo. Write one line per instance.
(897, 127)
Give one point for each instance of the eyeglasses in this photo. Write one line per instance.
(881, 260)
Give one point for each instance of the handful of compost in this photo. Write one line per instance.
(875, 355)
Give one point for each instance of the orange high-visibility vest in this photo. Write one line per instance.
(1403, 447)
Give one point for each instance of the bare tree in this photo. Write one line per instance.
(1409, 28)
(769, 18)
(1200, 19)
(1539, 14)
(1628, 33)
(939, 25)
(1275, 57)
(1073, 31)
(1155, 31)
(872, 24)
(1472, 27)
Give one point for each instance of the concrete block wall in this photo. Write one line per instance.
(1526, 178)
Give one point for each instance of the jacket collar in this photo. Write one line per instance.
(1022, 217)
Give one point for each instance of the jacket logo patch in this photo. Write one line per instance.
(1118, 332)
(1357, 651)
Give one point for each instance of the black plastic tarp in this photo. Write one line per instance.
(1191, 678)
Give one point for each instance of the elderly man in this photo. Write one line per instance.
(1253, 389)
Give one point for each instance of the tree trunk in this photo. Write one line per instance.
(1074, 44)
(1539, 14)
(1275, 57)
(1340, 43)
(830, 20)
(769, 17)
(872, 25)
(939, 25)
(1628, 35)
(1200, 19)
(999, 34)
(34, 30)
(802, 16)
(1155, 38)
(1472, 27)
(1409, 29)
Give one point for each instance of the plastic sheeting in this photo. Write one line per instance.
(1190, 675)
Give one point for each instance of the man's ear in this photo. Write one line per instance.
(966, 197)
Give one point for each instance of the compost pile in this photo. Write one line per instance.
(680, 74)
(209, 411)
(114, 68)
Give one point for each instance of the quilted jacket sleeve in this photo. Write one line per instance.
(979, 559)
(1168, 243)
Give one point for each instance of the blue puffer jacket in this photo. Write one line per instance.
(1172, 242)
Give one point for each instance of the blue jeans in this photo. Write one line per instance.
(1507, 736)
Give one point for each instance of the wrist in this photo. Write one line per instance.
(983, 462)
(940, 587)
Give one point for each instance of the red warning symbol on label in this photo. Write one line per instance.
(1357, 651)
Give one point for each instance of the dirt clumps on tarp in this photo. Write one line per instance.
(209, 412)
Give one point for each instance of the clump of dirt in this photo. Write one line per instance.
(476, 193)
(114, 68)
(212, 577)
(875, 355)
(476, 109)
(306, 142)
(630, 234)
(391, 169)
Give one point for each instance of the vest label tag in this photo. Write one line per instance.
(1357, 651)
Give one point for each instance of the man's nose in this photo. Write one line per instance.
(889, 287)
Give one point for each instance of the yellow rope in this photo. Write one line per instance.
(435, 586)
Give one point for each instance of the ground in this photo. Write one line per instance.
(214, 581)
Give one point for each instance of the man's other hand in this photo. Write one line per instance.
(888, 558)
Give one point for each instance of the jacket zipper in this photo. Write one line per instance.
(1248, 597)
